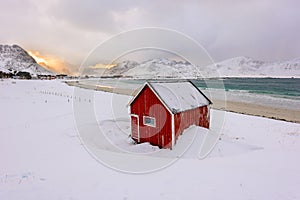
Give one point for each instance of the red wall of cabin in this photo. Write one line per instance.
(198, 116)
(147, 104)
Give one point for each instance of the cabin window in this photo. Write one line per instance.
(149, 121)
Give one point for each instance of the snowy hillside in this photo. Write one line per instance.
(14, 58)
(234, 67)
(159, 67)
(121, 68)
(248, 67)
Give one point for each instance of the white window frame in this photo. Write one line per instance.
(152, 118)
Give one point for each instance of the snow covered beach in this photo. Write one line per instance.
(42, 156)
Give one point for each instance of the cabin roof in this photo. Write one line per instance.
(177, 96)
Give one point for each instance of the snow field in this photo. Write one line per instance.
(41, 156)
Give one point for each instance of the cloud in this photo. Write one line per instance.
(91, 15)
(102, 66)
(70, 29)
(51, 63)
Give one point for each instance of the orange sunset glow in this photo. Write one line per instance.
(50, 62)
(103, 66)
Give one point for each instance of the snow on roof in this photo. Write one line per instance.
(180, 96)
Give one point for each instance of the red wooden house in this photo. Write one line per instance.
(160, 112)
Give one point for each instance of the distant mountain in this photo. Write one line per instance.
(121, 68)
(15, 59)
(155, 68)
(234, 67)
(248, 67)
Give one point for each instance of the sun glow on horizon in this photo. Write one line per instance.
(103, 66)
(37, 57)
(50, 62)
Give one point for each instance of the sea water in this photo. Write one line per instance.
(276, 87)
(275, 92)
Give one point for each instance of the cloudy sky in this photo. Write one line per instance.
(69, 29)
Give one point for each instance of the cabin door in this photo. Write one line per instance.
(135, 132)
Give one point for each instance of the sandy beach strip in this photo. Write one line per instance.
(103, 88)
(258, 110)
(231, 106)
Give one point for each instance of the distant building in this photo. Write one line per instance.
(161, 111)
(23, 75)
(6, 75)
(61, 76)
(45, 77)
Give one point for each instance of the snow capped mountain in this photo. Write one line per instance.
(14, 58)
(121, 68)
(234, 67)
(248, 67)
(160, 67)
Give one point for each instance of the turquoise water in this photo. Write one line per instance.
(280, 87)
(288, 88)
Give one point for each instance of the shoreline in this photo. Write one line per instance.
(282, 114)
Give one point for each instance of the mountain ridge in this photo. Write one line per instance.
(241, 66)
(14, 58)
